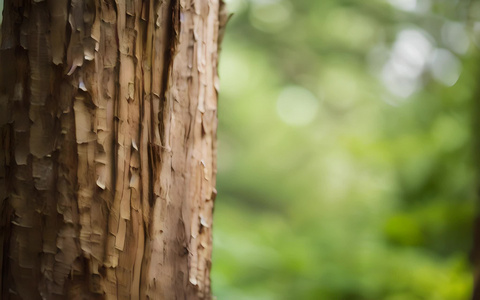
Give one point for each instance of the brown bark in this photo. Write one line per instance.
(107, 156)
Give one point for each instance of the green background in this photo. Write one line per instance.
(346, 150)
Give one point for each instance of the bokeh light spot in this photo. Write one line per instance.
(296, 106)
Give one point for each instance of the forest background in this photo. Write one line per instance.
(346, 150)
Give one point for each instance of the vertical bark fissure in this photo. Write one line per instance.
(170, 41)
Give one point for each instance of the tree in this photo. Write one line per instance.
(108, 152)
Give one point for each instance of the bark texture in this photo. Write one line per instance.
(107, 156)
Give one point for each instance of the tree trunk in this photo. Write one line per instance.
(107, 157)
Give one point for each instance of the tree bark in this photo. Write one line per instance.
(108, 117)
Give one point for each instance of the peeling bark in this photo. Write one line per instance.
(108, 115)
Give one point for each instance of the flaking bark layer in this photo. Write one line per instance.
(108, 118)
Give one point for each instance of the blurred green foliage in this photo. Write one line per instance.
(346, 166)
